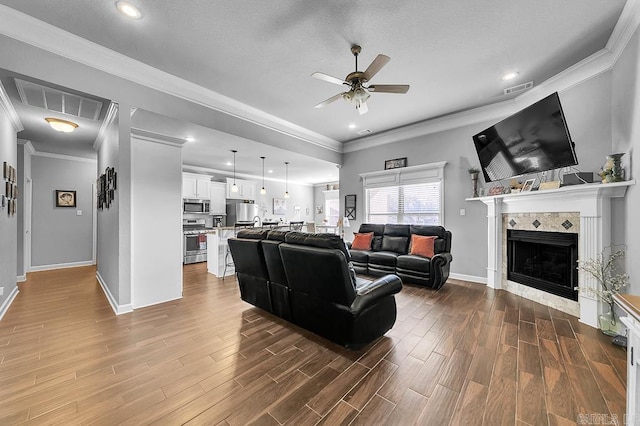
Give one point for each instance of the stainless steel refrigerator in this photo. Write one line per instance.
(241, 213)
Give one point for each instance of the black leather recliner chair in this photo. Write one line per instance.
(324, 297)
(251, 267)
(278, 284)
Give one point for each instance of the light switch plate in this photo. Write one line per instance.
(78, 212)
(463, 212)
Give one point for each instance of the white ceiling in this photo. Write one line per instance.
(453, 54)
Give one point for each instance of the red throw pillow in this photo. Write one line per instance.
(422, 245)
(362, 241)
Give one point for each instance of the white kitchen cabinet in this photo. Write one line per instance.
(246, 189)
(195, 186)
(217, 204)
(631, 305)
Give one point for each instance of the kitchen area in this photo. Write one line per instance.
(213, 212)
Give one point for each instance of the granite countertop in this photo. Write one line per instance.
(630, 303)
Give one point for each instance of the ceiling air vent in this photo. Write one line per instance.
(518, 88)
(40, 96)
(364, 131)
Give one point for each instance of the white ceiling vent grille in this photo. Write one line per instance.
(36, 95)
(518, 88)
(364, 131)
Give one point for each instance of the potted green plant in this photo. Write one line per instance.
(604, 269)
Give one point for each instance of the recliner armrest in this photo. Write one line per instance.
(442, 258)
(370, 293)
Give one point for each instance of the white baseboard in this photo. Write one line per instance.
(472, 278)
(117, 309)
(61, 266)
(5, 306)
(21, 278)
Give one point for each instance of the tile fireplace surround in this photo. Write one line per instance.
(587, 208)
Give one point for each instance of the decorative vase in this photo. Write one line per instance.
(614, 164)
(607, 323)
(474, 180)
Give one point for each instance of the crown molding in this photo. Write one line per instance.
(6, 104)
(625, 28)
(110, 116)
(30, 30)
(28, 146)
(225, 173)
(63, 157)
(149, 136)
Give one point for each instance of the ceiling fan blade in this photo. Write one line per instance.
(377, 64)
(328, 78)
(389, 88)
(330, 100)
(362, 108)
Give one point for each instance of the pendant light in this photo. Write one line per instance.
(286, 180)
(262, 190)
(234, 188)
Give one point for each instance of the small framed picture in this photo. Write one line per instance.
(395, 163)
(528, 185)
(8, 190)
(279, 206)
(5, 170)
(65, 198)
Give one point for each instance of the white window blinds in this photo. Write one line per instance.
(407, 204)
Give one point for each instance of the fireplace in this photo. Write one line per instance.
(543, 260)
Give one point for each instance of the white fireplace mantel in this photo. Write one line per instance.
(591, 201)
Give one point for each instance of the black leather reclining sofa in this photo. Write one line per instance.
(389, 254)
(305, 279)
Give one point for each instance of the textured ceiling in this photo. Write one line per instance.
(263, 53)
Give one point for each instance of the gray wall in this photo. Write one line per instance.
(625, 113)
(8, 224)
(587, 109)
(58, 235)
(156, 245)
(107, 250)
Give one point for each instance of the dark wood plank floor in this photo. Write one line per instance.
(463, 355)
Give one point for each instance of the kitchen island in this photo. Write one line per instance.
(217, 251)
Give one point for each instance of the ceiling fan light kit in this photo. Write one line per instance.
(358, 83)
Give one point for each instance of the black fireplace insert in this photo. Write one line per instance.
(547, 261)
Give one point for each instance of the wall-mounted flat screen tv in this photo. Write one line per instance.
(533, 140)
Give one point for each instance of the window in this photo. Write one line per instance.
(332, 211)
(331, 207)
(409, 195)
(408, 204)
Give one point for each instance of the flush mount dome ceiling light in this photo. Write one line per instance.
(61, 125)
(128, 10)
(510, 76)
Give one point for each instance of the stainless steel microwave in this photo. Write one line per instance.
(195, 206)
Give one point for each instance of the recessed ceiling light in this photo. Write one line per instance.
(189, 139)
(510, 76)
(128, 10)
(228, 163)
(269, 171)
(352, 126)
(61, 125)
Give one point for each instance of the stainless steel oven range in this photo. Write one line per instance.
(195, 240)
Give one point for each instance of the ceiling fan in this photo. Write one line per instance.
(358, 83)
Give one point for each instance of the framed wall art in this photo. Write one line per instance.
(279, 206)
(395, 163)
(65, 198)
(350, 206)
